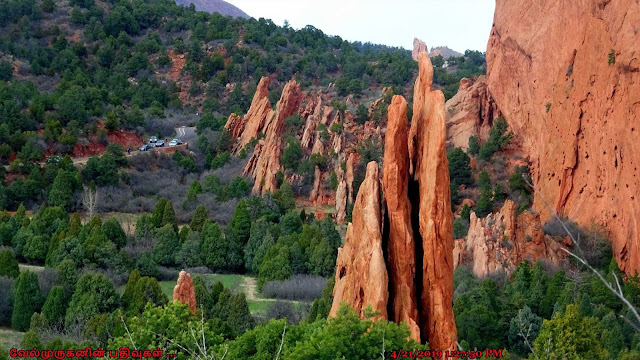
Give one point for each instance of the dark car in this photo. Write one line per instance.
(145, 147)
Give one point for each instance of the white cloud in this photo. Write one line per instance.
(459, 24)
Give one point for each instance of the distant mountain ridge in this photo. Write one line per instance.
(444, 51)
(219, 6)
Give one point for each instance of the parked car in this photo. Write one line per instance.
(55, 159)
(153, 140)
(145, 147)
(160, 143)
(175, 142)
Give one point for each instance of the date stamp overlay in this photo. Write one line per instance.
(454, 354)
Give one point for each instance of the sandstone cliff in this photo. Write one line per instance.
(470, 112)
(184, 291)
(566, 76)
(418, 47)
(251, 125)
(502, 240)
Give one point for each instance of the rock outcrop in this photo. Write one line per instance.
(341, 197)
(502, 240)
(395, 180)
(416, 284)
(428, 154)
(251, 125)
(361, 273)
(566, 76)
(184, 292)
(418, 47)
(265, 161)
(470, 112)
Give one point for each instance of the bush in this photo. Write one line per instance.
(291, 155)
(8, 264)
(27, 300)
(298, 287)
(497, 139)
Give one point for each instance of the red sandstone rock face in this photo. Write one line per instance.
(252, 125)
(351, 161)
(427, 151)
(401, 258)
(361, 273)
(265, 161)
(470, 112)
(501, 241)
(418, 47)
(184, 291)
(585, 148)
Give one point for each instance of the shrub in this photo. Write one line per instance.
(460, 228)
(291, 155)
(498, 140)
(94, 294)
(298, 287)
(8, 264)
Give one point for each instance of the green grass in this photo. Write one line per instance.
(10, 339)
(32, 268)
(257, 306)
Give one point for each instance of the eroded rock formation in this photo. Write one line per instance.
(502, 240)
(184, 291)
(470, 112)
(566, 76)
(418, 47)
(395, 180)
(361, 273)
(341, 197)
(265, 161)
(418, 239)
(428, 154)
(251, 125)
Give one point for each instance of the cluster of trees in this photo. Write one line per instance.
(471, 64)
(535, 314)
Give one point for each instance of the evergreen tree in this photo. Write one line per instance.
(55, 308)
(158, 213)
(199, 217)
(169, 217)
(523, 328)
(127, 296)
(275, 266)
(214, 247)
(8, 264)
(568, 335)
(64, 185)
(203, 302)
(94, 294)
(113, 232)
(284, 197)
(241, 224)
(27, 300)
(147, 290)
(474, 145)
(167, 245)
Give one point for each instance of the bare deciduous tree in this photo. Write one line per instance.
(90, 201)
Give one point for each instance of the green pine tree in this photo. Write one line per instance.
(169, 217)
(8, 264)
(55, 308)
(199, 217)
(27, 300)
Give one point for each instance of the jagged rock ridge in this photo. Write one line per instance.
(217, 6)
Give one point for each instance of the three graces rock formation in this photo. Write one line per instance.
(398, 253)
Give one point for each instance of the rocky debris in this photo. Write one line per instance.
(566, 76)
(417, 207)
(401, 252)
(265, 161)
(502, 240)
(251, 125)
(361, 273)
(470, 112)
(184, 292)
(341, 197)
(418, 47)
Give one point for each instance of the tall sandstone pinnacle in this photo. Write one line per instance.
(395, 180)
(566, 76)
(418, 241)
(361, 273)
(428, 154)
(184, 292)
(251, 125)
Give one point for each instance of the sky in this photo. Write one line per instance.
(458, 24)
